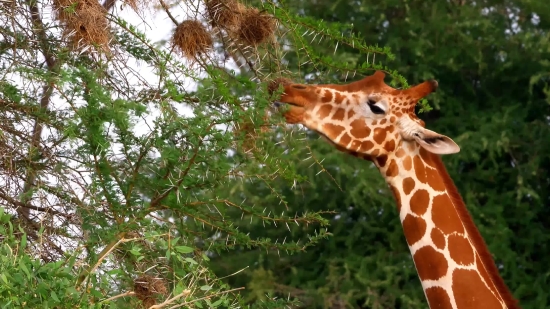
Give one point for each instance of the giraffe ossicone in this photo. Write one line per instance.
(371, 120)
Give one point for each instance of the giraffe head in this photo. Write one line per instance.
(366, 118)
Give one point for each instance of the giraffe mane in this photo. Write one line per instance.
(474, 234)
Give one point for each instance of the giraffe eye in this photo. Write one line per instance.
(375, 108)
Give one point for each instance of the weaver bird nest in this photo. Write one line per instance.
(255, 27)
(84, 20)
(225, 14)
(147, 289)
(192, 38)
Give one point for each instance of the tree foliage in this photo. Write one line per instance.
(490, 59)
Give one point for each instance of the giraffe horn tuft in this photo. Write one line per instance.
(421, 90)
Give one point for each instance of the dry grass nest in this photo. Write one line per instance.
(147, 288)
(225, 14)
(192, 38)
(84, 20)
(255, 27)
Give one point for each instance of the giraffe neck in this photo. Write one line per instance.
(454, 265)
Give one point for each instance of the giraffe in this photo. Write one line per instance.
(371, 120)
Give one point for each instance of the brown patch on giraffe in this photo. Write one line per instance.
(407, 163)
(408, 185)
(391, 128)
(339, 98)
(324, 111)
(437, 238)
(332, 130)
(420, 202)
(375, 152)
(419, 169)
(414, 228)
(430, 264)
(460, 249)
(327, 97)
(379, 135)
(359, 129)
(398, 114)
(397, 196)
(351, 113)
(489, 270)
(390, 145)
(427, 158)
(438, 298)
(434, 180)
(392, 119)
(345, 139)
(374, 122)
(381, 160)
(366, 146)
(355, 145)
(470, 292)
(393, 169)
(400, 153)
(339, 114)
(483, 272)
(444, 215)
(383, 121)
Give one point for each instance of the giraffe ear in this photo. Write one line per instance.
(435, 142)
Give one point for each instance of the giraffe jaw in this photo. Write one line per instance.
(280, 103)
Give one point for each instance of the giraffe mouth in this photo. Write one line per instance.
(280, 104)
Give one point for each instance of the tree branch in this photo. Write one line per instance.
(53, 67)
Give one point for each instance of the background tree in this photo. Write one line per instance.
(490, 59)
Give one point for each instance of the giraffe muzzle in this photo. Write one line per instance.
(280, 104)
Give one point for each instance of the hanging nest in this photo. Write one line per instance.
(255, 27)
(273, 85)
(224, 14)
(84, 20)
(192, 39)
(147, 288)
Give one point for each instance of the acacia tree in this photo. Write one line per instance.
(109, 157)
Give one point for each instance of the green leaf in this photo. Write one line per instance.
(25, 269)
(206, 288)
(54, 296)
(190, 260)
(184, 249)
(179, 288)
(23, 242)
(135, 251)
